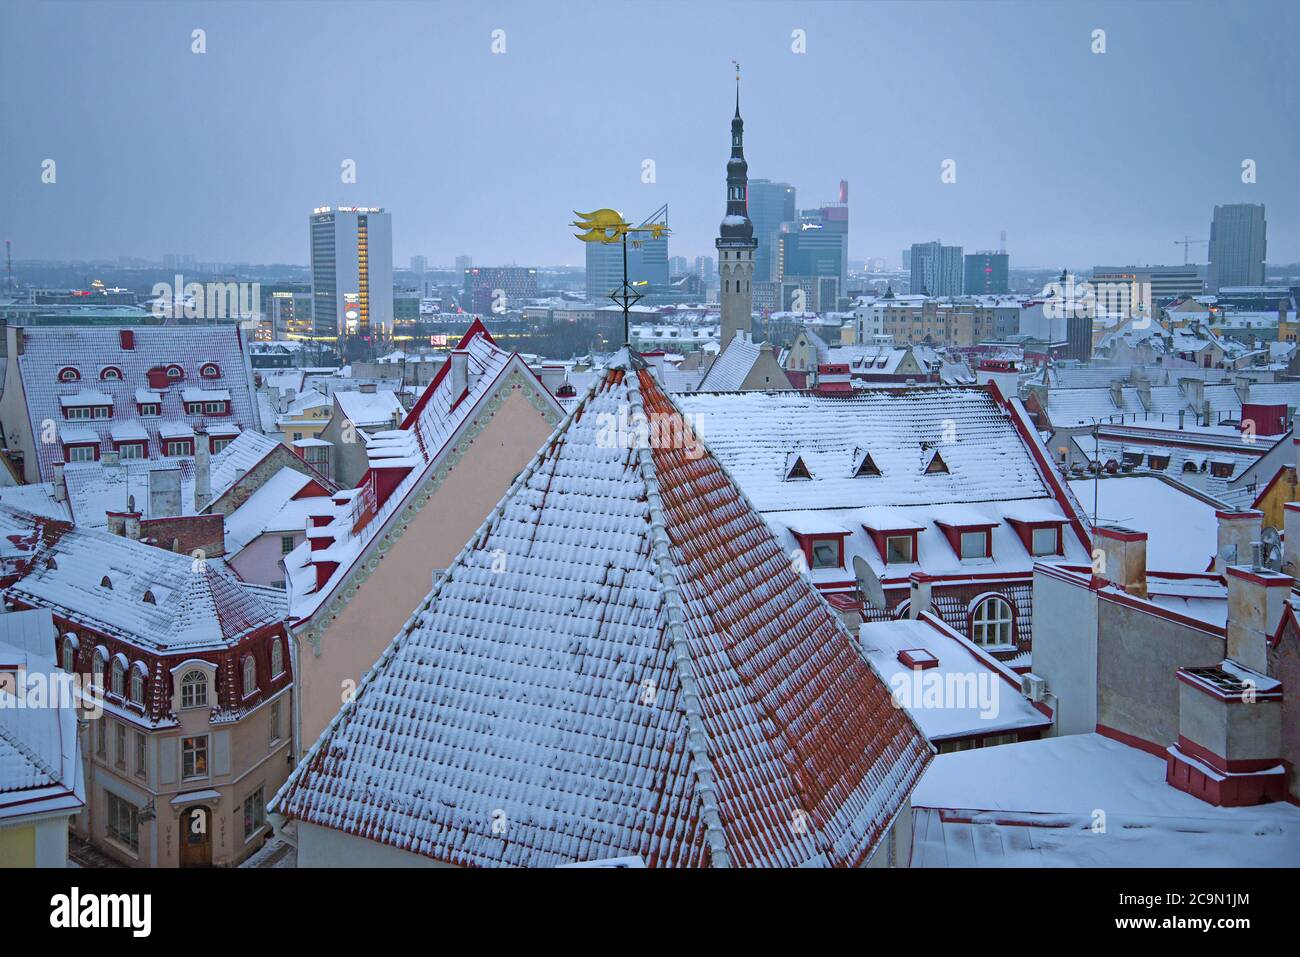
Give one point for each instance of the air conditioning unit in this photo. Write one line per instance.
(1033, 687)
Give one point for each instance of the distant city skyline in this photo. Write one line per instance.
(221, 155)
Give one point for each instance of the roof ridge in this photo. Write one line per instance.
(675, 614)
(312, 753)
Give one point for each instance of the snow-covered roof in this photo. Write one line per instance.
(205, 395)
(271, 508)
(429, 430)
(197, 604)
(732, 365)
(40, 761)
(48, 350)
(369, 408)
(983, 695)
(648, 677)
(1182, 532)
(1036, 803)
(85, 397)
(235, 460)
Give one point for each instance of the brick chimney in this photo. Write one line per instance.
(1238, 530)
(1124, 557)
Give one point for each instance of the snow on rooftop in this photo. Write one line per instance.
(732, 366)
(977, 695)
(1035, 803)
(621, 652)
(370, 408)
(270, 508)
(1182, 531)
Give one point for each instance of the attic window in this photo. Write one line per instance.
(111, 374)
(209, 370)
(148, 598)
(798, 471)
(175, 372)
(69, 374)
(106, 583)
(52, 565)
(866, 467)
(936, 465)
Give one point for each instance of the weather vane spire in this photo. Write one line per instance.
(736, 64)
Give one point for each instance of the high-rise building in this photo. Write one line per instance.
(936, 269)
(647, 263)
(736, 242)
(496, 289)
(419, 265)
(770, 205)
(678, 266)
(1237, 246)
(705, 267)
(986, 274)
(463, 263)
(352, 272)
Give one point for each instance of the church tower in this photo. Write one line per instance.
(736, 242)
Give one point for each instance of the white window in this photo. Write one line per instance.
(118, 685)
(179, 447)
(898, 549)
(219, 444)
(826, 554)
(132, 450)
(123, 822)
(69, 655)
(277, 658)
(194, 756)
(974, 545)
(991, 623)
(81, 453)
(286, 544)
(137, 685)
(250, 676)
(194, 690)
(254, 813)
(1044, 541)
(148, 408)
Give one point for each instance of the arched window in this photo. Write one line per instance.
(250, 676)
(101, 663)
(992, 622)
(69, 374)
(210, 370)
(137, 684)
(277, 658)
(119, 678)
(110, 374)
(194, 689)
(69, 656)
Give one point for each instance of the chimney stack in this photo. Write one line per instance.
(202, 469)
(1238, 530)
(1256, 599)
(459, 373)
(1124, 557)
(60, 483)
(131, 525)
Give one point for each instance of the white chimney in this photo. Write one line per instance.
(459, 373)
(60, 484)
(202, 469)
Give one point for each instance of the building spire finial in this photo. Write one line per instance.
(737, 66)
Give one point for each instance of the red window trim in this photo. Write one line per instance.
(69, 446)
(807, 541)
(1026, 532)
(203, 371)
(119, 444)
(76, 374)
(166, 441)
(879, 536)
(954, 533)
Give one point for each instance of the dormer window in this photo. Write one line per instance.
(900, 549)
(110, 374)
(971, 536)
(210, 370)
(1040, 533)
(175, 372)
(936, 465)
(149, 408)
(866, 466)
(1045, 541)
(826, 553)
(69, 374)
(797, 470)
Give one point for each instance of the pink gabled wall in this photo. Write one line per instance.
(259, 561)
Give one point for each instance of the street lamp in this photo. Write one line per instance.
(608, 226)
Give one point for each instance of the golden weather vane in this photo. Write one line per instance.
(608, 226)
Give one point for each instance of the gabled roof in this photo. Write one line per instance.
(236, 459)
(369, 408)
(423, 443)
(197, 604)
(275, 507)
(647, 676)
(49, 349)
(732, 366)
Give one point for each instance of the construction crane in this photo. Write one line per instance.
(1189, 241)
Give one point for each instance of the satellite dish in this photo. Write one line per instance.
(868, 582)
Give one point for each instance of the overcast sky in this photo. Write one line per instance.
(1082, 158)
